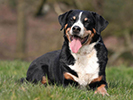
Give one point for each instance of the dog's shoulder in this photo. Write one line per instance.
(102, 51)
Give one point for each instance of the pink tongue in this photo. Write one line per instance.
(75, 45)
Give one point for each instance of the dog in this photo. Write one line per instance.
(83, 57)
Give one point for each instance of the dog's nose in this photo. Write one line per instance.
(76, 29)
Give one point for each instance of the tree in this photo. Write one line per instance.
(21, 35)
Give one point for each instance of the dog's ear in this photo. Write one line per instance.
(100, 22)
(63, 19)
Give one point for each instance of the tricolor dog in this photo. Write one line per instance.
(83, 57)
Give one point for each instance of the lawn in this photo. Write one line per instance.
(120, 83)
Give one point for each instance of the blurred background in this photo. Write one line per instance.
(30, 28)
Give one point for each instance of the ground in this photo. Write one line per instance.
(120, 85)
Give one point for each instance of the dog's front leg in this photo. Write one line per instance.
(101, 90)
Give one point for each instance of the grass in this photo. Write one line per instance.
(120, 82)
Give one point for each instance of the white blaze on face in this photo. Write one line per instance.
(80, 24)
(76, 44)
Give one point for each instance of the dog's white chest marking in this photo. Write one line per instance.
(86, 65)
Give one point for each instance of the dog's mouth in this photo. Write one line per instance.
(82, 40)
(77, 42)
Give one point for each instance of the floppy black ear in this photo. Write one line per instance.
(100, 22)
(63, 18)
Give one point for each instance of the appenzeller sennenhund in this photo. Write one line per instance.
(83, 57)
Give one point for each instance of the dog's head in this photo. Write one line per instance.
(80, 27)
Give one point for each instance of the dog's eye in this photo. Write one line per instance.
(86, 21)
(72, 20)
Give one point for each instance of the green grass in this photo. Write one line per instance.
(120, 82)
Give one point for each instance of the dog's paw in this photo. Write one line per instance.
(101, 90)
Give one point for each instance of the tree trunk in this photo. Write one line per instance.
(21, 35)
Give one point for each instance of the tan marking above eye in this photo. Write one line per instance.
(85, 19)
(74, 17)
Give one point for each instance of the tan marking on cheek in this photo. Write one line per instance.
(90, 38)
(68, 76)
(87, 32)
(68, 37)
(94, 31)
(91, 35)
(66, 26)
(44, 80)
(67, 34)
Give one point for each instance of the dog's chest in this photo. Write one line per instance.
(86, 66)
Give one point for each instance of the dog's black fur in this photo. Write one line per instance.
(54, 64)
